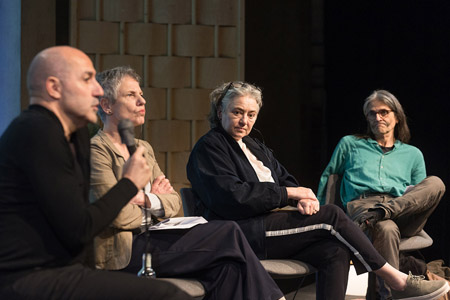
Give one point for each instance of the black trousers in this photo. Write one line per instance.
(78, 282)
(327, 241)
(217, 254)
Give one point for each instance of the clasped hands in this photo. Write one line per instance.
(307, 202)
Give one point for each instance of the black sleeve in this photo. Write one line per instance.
(59, 187)
(220, 180)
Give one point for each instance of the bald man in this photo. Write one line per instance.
(46, 223)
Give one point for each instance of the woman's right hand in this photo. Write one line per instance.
(307, 200)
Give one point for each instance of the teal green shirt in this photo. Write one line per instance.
(365, 168)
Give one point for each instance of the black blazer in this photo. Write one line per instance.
(228, 187)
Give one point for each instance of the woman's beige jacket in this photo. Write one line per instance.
(113, 245)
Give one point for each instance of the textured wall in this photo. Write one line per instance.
(181, 48)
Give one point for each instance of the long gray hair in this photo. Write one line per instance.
(401, 131)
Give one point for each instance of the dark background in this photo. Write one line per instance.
(401, 46)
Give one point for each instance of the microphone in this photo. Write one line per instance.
(126, 132)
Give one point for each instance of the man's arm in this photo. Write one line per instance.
(103, 179)
(418, 173)
(59, 187)
(335, 166)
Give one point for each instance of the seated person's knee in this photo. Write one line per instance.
(387, 228)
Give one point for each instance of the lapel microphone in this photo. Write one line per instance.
(126, 132)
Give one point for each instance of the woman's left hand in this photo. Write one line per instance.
(161, 185)
(308, 206)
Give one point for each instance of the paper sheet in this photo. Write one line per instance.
(178, 223)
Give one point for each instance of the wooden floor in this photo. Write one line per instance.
(308, 292)
(308, 287)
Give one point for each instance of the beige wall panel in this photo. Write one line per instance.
(123, 10)
(37, 33)
(177, 186)
(156, 103)
(156, 107)
(178, 166)
(92, 57)
(228, 42)
(169, 135)
(161, 41)
(112, 61)
(86, 9)
(217, 12)
(160, 158)
(98, 37)
(170, 72)
(213, 71)
(201, 127)
(170, 11)
(190, 104)
(145, 38)
(193, 40)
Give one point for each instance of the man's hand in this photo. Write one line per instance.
(161, 185)
(141, 199)
(136, 169)
(370, 218)
(307, 201)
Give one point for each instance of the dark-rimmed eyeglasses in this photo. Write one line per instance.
(382, 112)
(229, 86)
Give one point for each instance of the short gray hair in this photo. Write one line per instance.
(222, 95)
(110, 81)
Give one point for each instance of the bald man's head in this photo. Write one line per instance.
(62, 79)
(54, 61)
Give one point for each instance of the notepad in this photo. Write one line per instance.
(178, 223)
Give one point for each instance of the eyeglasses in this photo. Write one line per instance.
(382, 112)
(229, 86)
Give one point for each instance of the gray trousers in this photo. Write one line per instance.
(405, 215)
